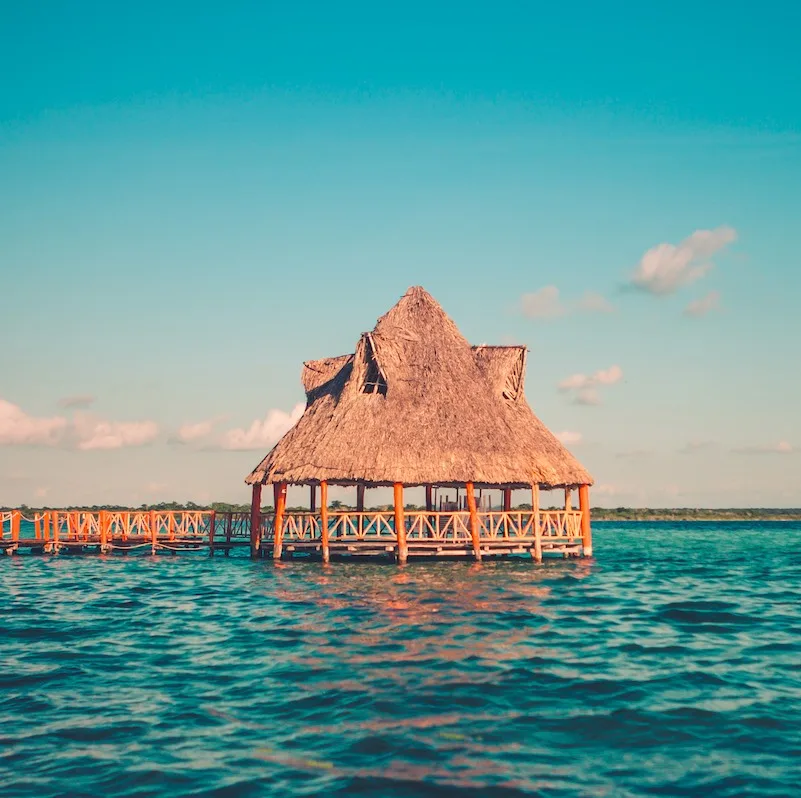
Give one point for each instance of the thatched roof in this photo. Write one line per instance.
(417, 404)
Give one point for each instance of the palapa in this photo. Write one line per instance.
(416, 404)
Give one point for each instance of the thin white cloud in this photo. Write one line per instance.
(700, 307)
(262, 433)
(694, 447)
(667, 267)
(548, 304)
(782, 447)
(79, 402)
(17, 428)
(543, 304)
(569, 437)
(593, 302)
(193, 431)
(94, 433)
(584, 387)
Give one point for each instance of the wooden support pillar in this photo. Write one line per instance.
(360, 498)
(400, 523)
(324, 520)
(586, 531)
(568, 505)
(474, 533)
(54, 520)
(212, 530)
(507, 499)
(255, 522)
(313, 498)
(279, 492)
(16, 522)
(535, 508)
(153, 532)
(429, 498)
(102, 523)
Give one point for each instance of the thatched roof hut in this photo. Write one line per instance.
(416, 404)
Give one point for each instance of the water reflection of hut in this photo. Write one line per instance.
(416, 405)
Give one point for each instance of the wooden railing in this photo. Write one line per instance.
(130, 528)
(349, 525)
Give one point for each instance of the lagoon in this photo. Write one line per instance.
(666, 665)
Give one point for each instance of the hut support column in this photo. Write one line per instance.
(360, 507)
(429, 498)
(279, 492)
(507, 499)
(535, 507)
(324, 520)
(400, 524)
(255, 521)
(586, 531)
(474, 533)
(313, 498)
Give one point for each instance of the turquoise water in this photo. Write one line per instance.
(669, 665)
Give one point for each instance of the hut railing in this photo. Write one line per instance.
(447, 526)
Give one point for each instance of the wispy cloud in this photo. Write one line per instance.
(584, 388)
(543, 304)
(634, 454)
(81, 401)
(593, 302)
(547, 303)
(667, 267)
(782, 447)
(194, 431)
(262, 433)
(700, 307)
(695, 447)
(569, 437)
(95, 433)
(17, 428)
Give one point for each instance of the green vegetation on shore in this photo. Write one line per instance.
(598, 513)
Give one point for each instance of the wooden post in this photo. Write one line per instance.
(54, 520)
(400, 523)
(535, 507)
(324, 520)
(313, 498)
(154, 532)
(279, 492)
(360, 507)
(586, 531)
(255, 522)
(507, 499)
(102, 522)
(429, 498)
(568, 505)
(212, 530)
(16, 518)
(474, 533)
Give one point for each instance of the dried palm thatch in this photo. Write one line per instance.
(417, 404)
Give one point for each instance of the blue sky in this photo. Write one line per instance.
(196, 198)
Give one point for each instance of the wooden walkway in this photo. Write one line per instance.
(350, 534)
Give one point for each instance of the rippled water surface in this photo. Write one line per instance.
(669, 665)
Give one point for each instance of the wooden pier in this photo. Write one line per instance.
(322, 535)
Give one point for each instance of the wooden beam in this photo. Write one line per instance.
(535, 507)
(255, 521)
(313, 498)
(16, 518)
(586, 530)
(568, 505)
(212, 530)
(474, 533)
(279, 492)
(429, 498)
(507, 500)
(324, 520)
(360, 498)
(400, 523)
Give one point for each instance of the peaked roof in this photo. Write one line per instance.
(417, 404)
